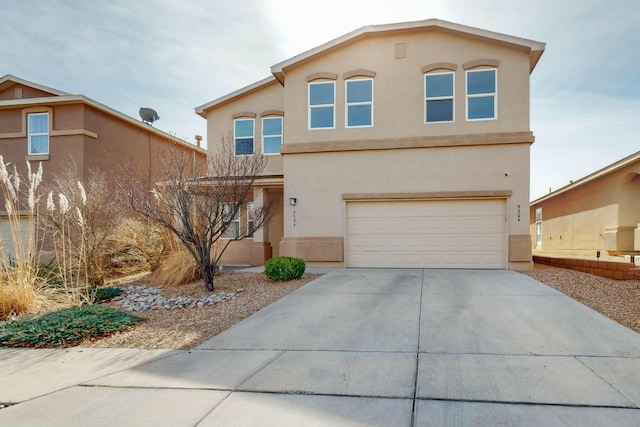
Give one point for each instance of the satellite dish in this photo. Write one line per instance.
(148, 115)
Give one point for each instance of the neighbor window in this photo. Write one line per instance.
(243, 136)
(538, 227)
(233, 230)
(322, 97)
(271, 135)
(359, 103)
(38, 131)
(250, 216)
(481, 94)
(438, 96)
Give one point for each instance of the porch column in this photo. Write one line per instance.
(260, 250)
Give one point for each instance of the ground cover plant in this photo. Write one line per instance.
(64, 328)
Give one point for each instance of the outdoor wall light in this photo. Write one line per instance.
(293, 201)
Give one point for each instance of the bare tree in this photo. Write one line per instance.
(201, 211)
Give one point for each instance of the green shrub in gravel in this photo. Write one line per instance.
(64, 328)
(105, 294)
(284, 268)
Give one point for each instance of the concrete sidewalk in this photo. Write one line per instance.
(357, 348)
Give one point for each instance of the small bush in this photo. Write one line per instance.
(284, 268)
(64, 328)
(105, 294)
(177, 268)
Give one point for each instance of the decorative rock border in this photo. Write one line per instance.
(142, 298)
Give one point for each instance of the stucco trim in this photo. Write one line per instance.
(359, 73)
(244, 114)
(313, 249)
(520, 248)
(411, 142)
(439, 66)
(272, 113)
(322, 75)
(36, 157)
(70, 132)
(428, 195)
(483, 62)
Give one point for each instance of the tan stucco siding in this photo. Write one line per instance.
(578, 218)
(399, 87)
(321, 180)
(266, 100)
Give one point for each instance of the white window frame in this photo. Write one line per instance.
(481, 95)
(253, 135)
(354, 104)
(441, 98)
(311, 107)
(236, 221)
(272, 136)
(31, 134)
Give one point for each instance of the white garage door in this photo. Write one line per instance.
(427, 234)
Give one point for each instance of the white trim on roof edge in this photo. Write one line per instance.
(538, 47)
(18, 80)
(242, 91)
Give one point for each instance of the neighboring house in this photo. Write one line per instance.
(400, 145)
(40, 124)
(600, 212)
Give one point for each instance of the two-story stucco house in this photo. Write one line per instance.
(400, 145)
(42, 124)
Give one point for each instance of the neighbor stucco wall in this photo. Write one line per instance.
(578, 218)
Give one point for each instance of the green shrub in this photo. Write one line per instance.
(64, 328)
(284, 268)
(105, 294)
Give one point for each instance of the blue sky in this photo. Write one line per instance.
(175, 55)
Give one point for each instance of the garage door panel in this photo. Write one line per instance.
(427, 234)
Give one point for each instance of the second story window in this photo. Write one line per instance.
(322, 97)
(438, 90)
(359, 109)
(271, 135)
(38, 133)
(243, 137)
(481, 94)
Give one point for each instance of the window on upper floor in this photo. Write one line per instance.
(243, 132)
(359, 107)
(481, 94)
(322, 96)
(38, 133)
(438, 97)
(271, 135)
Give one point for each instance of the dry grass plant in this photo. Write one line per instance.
(19, 282)
(133, 247)
(177, 266)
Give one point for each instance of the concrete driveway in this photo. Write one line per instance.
(363, 348)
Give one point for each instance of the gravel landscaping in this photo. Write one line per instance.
(191, 315)
(617, 299)
(185, 316)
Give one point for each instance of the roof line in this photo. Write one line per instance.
(242, 91)
(18, 80)
(592, 176)
(73, 99)
(534, 46)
